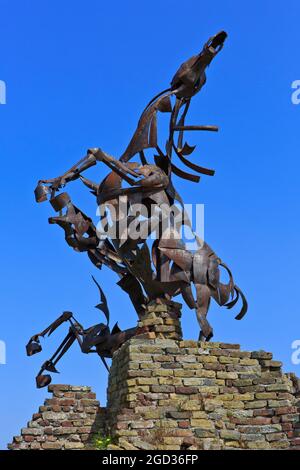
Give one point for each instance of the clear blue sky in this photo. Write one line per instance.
(78, 75)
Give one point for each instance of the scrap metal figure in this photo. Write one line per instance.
(150, 184)
(96, 339)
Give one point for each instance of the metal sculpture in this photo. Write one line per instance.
(95, 339)
(169, 269)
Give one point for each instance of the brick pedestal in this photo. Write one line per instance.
(161, 320)
(170, 394)
(166, 394)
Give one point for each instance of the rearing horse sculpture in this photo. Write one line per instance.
(169, 269)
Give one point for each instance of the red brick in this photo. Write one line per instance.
(229, 346)
(69, 395)
(295, 442)
(276, 419)
(260, 420)
(54, 401)
(251, 421)
(286, 410)
(67, 402)
(263, 412)
(229, 390)
(66, 409)
(183, 433)
(284, 396)
(214, 366)
(122, 425)
(58, 387)
(184, 424)
(83, 430)
(56, 408)
(67, 424)
(186, 390)
(44, 422)
(286, 426)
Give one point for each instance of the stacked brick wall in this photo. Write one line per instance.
(167, 394)
(173, 394)
(161, 320)
(68, 420)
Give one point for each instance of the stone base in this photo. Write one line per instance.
(161, 320)
(166, 394)
(68, 420)
(175, 395)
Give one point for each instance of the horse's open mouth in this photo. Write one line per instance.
(217, 41)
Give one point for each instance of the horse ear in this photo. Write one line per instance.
(103, 302)
(116, 329)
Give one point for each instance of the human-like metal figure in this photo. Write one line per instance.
(96, 339)
(169, 269)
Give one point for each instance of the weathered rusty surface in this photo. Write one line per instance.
(170, 269)
(95, 339)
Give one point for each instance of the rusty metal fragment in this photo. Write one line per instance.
(96, 339)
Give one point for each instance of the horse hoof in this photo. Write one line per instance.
(201, 337)
(209, 337)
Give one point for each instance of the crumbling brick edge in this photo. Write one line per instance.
(67, 420)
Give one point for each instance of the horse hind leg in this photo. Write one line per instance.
(202, 306)
(206, 332)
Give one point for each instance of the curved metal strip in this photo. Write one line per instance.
(183, 174)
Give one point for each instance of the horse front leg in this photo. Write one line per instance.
(202, 306)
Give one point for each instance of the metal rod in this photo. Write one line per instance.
(196, 128)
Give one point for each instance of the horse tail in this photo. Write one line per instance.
(244, 308)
